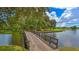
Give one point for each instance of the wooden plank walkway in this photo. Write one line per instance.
(36, 44)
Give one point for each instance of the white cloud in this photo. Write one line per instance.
(68, 15)
(65, 13)
(70, 8)
(68, 18)
(74, 19)
(52, 15)
(69, 22)
(48, 14)
(63, 24)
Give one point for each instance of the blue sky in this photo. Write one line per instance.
(58, 11)
(65, 17)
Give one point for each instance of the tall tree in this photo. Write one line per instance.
(26, 18)
(53, 23)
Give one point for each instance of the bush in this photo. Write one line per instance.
(17, 38)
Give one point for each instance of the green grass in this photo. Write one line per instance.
(55, 30)
(5, 32)
(68, 49)
(12, 48)
(17, 38)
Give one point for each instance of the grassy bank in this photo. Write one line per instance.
(16, 36)
(58, 29)
(5, 32)
(12, 48)
(17, 40)
(54, 30)
(68, 49)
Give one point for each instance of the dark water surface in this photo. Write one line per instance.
(5, 39)
(69, 38)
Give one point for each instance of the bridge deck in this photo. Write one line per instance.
(36, 44)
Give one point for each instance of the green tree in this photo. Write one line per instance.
(73, 27)
(26, 18)
(52, 23)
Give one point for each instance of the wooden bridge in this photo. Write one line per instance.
(36, 43)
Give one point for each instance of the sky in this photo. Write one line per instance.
(65, 16)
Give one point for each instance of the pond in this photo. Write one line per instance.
(5, 39)
(69, 38)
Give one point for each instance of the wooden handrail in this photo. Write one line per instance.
(50, 40)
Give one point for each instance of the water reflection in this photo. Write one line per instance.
(5, 39)
(68, 38)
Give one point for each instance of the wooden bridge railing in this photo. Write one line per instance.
(51, 41)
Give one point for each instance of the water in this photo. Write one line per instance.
(69, 38)
(5, 39)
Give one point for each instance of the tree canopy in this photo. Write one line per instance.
(22, 18)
